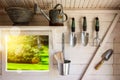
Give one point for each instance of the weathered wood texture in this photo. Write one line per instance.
(79, 55)
(67, 4)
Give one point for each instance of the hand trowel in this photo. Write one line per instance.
(105, 57)
(73, 38)
(84, 35)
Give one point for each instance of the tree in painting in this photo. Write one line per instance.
(28, 52)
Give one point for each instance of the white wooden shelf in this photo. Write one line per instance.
(33, 27)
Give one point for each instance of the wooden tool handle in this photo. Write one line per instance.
(99, 64)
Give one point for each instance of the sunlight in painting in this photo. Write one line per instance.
(28, 52)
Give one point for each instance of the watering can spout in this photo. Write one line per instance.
(38, 10)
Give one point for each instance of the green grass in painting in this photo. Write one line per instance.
(19, 66)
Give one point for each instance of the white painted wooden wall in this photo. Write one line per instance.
(79, 55)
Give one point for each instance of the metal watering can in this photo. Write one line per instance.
(56, 16)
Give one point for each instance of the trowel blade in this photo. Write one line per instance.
(106, 55)
(73, 39)
(84, 38)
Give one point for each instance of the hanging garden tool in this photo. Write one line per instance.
(63, 47)
(96, 40)
(84, 35)
(105, 57)
(73, 38)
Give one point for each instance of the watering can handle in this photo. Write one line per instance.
(60, 6)
(66, 17)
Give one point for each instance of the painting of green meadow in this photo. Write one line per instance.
(28, 52)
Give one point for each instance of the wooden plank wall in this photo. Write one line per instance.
(67, 4)
(79, 55)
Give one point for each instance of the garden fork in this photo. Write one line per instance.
(96, 40)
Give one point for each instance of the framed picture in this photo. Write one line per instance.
(28, 51)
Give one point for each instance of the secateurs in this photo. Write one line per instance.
(96, 40)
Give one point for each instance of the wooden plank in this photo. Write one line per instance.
(68, 77)
(103, 3)
(71, 53)
(90, 77)
(116, 59)
(99, 4)
(27, 3)
(5, 3)
(84, 55)
(116, 69)
(63, 3)
(116, 47)
(40, 4)
(53, 3)
(95, 3)
(76, 4)
(106, 36)
(90, 17)
(67, 4)
(108, 4)
(0, 52)
(116, 40)
(111, 3)
(8, 3)
(89, 3)
(58, 1)
(116, 4)
(86, 3)
(102, 77)
(104, 70)
(23, 3)
(81, 3)
(71, 4)
(43, 2)
(91, 11)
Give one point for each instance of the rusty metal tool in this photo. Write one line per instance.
(105, 57)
